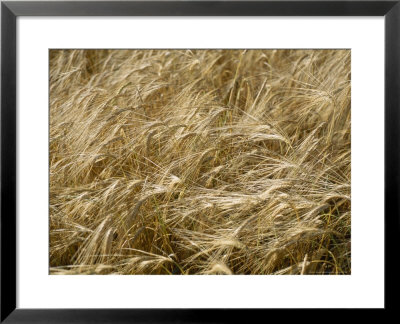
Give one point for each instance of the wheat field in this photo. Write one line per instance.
(200, 162)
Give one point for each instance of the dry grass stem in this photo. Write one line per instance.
(200, 162)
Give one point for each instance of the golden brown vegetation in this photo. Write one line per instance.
(200, 162)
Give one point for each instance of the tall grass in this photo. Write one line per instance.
(200, 162)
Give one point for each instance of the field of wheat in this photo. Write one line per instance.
(200, 162)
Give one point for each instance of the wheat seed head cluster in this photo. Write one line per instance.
(200, 162)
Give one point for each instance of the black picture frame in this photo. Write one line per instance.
(10, 10)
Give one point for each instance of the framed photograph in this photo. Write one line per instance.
(193, 161)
